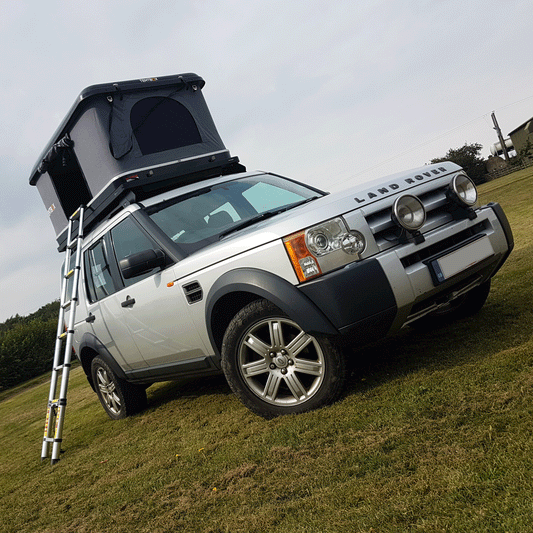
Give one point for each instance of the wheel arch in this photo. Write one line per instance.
(91, 347)
(236, 288)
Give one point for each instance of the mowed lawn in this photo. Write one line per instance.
(433, 435)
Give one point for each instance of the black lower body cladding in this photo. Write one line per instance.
(357, 296)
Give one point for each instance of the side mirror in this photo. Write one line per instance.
(141, 262)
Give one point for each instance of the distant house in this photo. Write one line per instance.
(522, 134)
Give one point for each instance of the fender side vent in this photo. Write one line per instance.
(193, 292)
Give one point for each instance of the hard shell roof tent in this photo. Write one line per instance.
(142, 136)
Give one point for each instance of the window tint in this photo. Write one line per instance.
(160, 124)
(99, 281)
(266, 196)
(129, 239)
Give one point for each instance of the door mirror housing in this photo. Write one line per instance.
(141, 262)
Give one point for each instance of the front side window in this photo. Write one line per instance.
(198, 219)
(128, 239)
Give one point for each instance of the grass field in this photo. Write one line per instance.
(432, 435)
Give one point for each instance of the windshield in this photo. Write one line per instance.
(195, 220)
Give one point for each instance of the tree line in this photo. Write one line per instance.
(27, 345)
(468, 156)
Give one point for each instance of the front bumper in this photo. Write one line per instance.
(380, 294)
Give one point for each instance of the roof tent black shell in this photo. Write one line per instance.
(142, 136)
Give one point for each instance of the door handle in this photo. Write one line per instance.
(128, 302)
(90, 318)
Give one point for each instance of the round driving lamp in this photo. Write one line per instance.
(409, 213)
(464, 189)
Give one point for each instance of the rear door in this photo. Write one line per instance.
(104, 304)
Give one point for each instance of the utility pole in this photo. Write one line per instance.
(500, 136)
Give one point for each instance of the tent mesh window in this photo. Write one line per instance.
(161, 124)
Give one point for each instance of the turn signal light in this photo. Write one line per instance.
(304, 264)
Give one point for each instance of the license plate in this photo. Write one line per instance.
(449, 265)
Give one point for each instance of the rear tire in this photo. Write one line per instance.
(118, 397)
(276, 368)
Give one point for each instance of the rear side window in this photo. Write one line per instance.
(99, 280)
(160, 124)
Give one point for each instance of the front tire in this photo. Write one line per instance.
(462, 307)
(118, 397)
(276, 368)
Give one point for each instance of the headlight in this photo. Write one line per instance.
(464, 189)
(323, 247)
(408, 212)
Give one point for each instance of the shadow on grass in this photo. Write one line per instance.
(499, 326)
(192, 387)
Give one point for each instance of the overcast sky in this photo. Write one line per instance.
(328, 92)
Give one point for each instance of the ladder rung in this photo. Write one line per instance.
(61, 367)
(51, 439)
(70, 273)
(65, 333)
(76, 214)
(66, 305)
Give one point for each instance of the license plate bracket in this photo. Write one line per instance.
(451, 263)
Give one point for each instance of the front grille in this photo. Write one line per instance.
(193, 292)
(386, 232)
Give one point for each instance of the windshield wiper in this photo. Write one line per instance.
(264, 216)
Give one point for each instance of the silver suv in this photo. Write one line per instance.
(192, 266)
(259, 276)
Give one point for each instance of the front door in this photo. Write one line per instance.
(157, 316)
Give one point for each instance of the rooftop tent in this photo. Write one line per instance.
(142, 136)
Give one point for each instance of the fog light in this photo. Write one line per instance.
(409, 213)
(464, 189)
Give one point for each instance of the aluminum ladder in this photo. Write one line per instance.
(55, 415)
